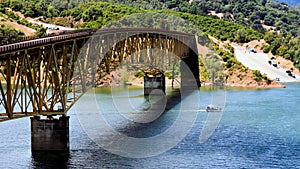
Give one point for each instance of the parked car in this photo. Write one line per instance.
(53, 28)
(252, 50)
(291, 74)
(273, 62)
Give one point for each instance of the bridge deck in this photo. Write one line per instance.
(4, 48)
(41, 75)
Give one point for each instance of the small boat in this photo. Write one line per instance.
(127, 83)
(212, 108)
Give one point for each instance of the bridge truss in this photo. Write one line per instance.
(47, 76)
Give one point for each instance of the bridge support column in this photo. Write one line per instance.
(189, 68)
(151, 83)
(50, 134)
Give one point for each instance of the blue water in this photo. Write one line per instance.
(258, 129)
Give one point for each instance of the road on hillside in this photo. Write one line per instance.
(47, 25)
(259, 61)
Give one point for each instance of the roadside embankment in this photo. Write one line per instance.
(260, 61)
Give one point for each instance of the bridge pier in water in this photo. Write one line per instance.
(152, 83)
(50, 134)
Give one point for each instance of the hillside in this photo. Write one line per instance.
(232, 21)
(278, 22)
(14, 26)
(253, 14)
(17, 25)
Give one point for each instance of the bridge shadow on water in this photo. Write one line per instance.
(167, 117)
(50, 160)
(128, 127)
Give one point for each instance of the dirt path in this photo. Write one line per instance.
(259, 61)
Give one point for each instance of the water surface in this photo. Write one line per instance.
(259, 129)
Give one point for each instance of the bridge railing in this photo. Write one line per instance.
(90, 31)
(33, 37)
(34, 41)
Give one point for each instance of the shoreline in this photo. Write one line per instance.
(139, 82)
(273, 85)
(115, 79)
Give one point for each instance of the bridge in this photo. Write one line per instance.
(46, 76)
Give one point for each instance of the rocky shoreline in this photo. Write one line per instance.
(114, 79)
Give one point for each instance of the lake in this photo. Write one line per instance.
(258, 129)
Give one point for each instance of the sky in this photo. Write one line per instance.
(290, 2)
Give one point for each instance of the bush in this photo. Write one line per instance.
(257, 75)
(139, 74)
(266, 48)
(168, 75)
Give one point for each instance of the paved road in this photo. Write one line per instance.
(46, 25)
(259, 61)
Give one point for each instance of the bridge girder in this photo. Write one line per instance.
(48, 78)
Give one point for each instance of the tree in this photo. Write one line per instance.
(214, 68)
(52, 11)
(269, 20)
(275, 45)
(241, 36)
(263, 2)
(28, 12)
(41, 32)
(8, 34)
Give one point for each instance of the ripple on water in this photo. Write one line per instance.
(259, 129)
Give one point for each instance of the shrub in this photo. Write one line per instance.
(266, 48)
(139, 74)
(257, 75)
(168, 75)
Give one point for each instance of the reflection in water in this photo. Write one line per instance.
(50, 160)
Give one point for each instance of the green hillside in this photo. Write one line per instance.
(255, 13)
(240, 21)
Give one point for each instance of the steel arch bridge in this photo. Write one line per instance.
(46, 76)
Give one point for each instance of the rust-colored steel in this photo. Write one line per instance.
(48, 75)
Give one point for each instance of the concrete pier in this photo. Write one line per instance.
(50, 134)
(156, 82)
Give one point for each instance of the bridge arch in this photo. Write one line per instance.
(150, 47)
(42, 73)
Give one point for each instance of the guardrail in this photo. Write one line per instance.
(28, 38)
(32, 41)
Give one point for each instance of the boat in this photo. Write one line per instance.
(212, 108)
(127, 83)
